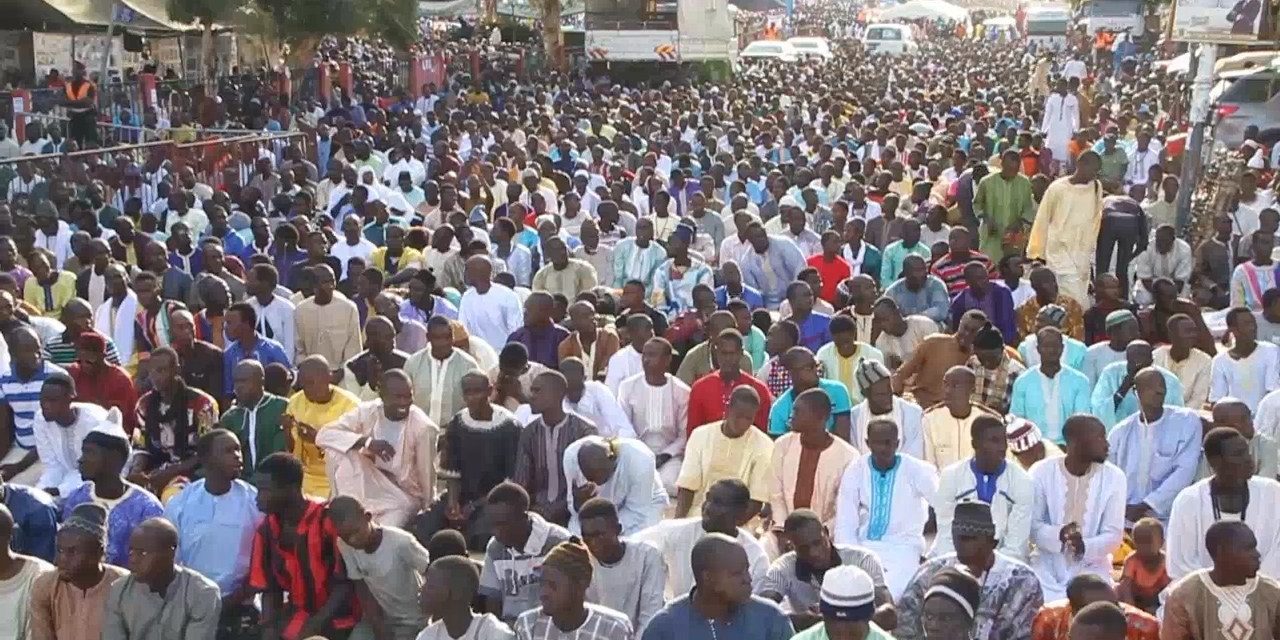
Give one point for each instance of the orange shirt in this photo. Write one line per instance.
(1053, 622)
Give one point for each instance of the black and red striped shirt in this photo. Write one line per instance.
(307, 570)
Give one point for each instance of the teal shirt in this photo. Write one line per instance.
(780, 414)
(1029, 399)
(819, 632)
(1103, 401)
(754, 344)
(892, 258)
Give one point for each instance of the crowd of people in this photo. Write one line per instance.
(859, 349)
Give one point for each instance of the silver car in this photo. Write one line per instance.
(1244, 98)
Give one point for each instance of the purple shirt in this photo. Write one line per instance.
(543, 343)
(998, 305)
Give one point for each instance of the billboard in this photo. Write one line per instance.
(1224, 21)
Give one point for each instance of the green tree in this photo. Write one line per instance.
(206, 13)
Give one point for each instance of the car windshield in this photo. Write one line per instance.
(764, 48)
(881, 33)
(805, 45)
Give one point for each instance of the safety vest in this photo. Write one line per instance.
(83, 93)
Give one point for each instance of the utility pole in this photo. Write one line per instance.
(1204, 59)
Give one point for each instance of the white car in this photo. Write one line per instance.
(812, 47)
(770, 50)
(893, 39)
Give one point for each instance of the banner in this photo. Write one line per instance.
(1222, 21)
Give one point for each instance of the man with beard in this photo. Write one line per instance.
(383, 453)
(1078, 516)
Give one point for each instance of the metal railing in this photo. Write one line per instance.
(213, 161)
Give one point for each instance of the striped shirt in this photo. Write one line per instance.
(18, 186)
(23, 398)
(62, 351)
(306, 569)
(145, 193)
(602, 623)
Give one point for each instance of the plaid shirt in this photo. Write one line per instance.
(994, 387)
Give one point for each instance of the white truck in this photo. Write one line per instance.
(683, 31)
(1047, 26)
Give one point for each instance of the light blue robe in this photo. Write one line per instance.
(1104, 406)
(894, 255)
(1175, 453)
(677, 293)
(630, 262)
(1073, 352)
(1029, 401)
(1097, 358)
(785, 259)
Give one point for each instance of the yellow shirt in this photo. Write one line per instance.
(63, 290)
(710, 456)
(315, 482)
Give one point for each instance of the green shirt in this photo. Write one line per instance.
(1114, 165)
(998, 203)
(819, 632)
(268, 435)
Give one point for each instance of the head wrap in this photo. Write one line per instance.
(988, 337)
(870, 372)
(848, 593)
(111, 441)
(958, 586)
(572, 558)
(1120, 316)
(90, 519)
(1023, 434)
(1054, 314)
(973, 518)
(92, 341)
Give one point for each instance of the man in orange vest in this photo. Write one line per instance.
(82, 113)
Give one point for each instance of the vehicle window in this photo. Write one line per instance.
(884, 34)
(1252, 89)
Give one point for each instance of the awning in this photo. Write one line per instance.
(146, 15)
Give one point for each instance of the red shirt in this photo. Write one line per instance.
(109, 387)
(950, 270)
(833, 273)
(307, 570)
(709, 397)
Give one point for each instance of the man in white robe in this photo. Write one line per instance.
(1065, 231)
(1078, 513)
(626, 361)
(874, 380)
(988, 477)
(383, 453)
(115, 317)
(620, 470)
(1061, 119)
(883, 504)
(726, 502)
(1158, 447)
(657, 404)
(1233, 492)
(594, 401)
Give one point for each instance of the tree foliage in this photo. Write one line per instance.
(303, 20)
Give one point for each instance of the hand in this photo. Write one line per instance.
(380, 449)
(140, 478)
(583, 493)
(1136, 512)
(307, 431)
